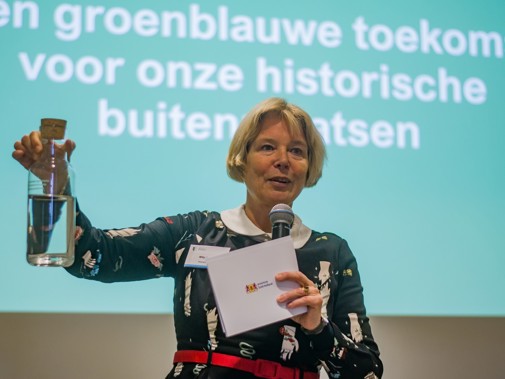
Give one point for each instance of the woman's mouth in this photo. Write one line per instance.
(281, 180)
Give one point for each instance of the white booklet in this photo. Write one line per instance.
(245, 288)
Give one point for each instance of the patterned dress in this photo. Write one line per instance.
(345, 348)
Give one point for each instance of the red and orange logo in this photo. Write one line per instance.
(250, 288)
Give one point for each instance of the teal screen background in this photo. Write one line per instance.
(409, 97)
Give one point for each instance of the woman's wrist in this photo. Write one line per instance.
(318, 329)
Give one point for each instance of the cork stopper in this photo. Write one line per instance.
(52, 128)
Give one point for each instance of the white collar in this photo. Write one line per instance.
(236, 220)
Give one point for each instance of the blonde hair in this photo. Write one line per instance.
(295, 118)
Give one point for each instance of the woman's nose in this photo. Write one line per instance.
(282, 160)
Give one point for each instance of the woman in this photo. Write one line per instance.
(276, 152)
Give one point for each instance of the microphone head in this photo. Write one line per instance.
(282, 213)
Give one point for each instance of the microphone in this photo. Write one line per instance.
(281, 217)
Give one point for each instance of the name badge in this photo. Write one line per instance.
(198, 254)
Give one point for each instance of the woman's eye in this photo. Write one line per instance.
(267, 147)
(297, 151)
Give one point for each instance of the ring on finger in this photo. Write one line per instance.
(305, 288)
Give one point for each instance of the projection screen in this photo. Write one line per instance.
(408, 97)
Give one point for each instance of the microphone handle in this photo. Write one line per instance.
(280, 229)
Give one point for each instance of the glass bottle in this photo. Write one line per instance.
(51, 205)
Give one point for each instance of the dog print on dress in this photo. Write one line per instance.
(289, 342)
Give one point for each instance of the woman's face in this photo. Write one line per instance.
(277, 165)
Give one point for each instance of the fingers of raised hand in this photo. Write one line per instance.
(23, 152)
(31, 144)
(69, 147)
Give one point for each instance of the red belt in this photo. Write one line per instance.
(259, 367)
